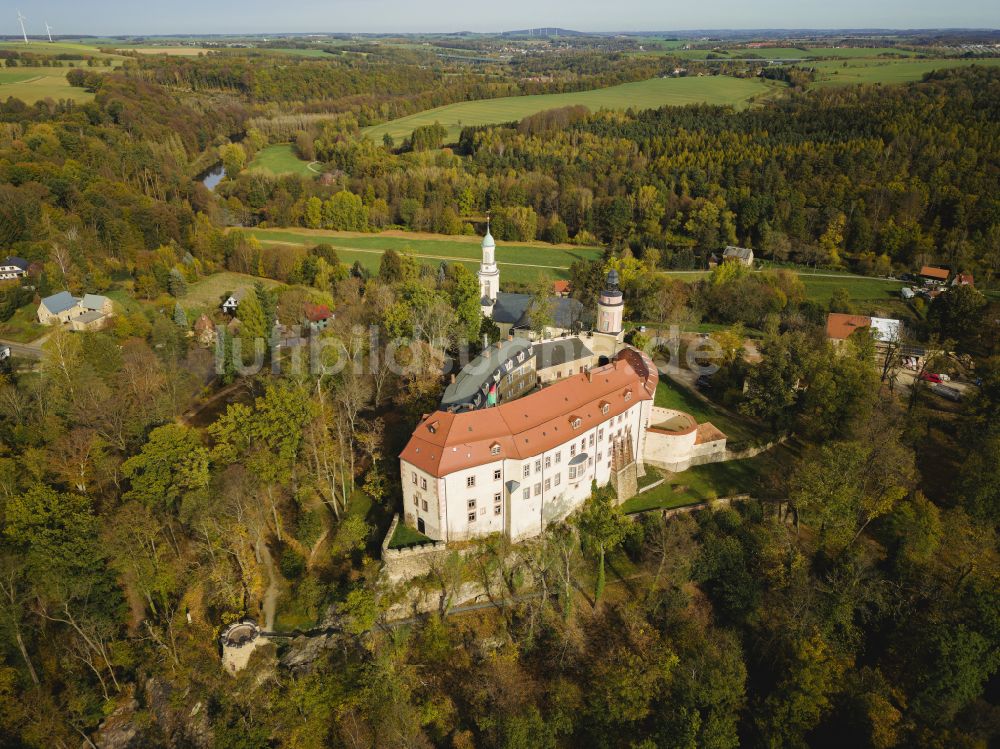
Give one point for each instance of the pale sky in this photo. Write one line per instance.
(111, 17)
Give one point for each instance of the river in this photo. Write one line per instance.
(213, 176)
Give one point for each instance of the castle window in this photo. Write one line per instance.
(591, 440)
(538, 465)
(472, 517)
(496, 475)
(414, 479)
(497, 509)
(416, 499)
(572, 472)
(572, 450)
(558, 479)
(548, 484)
(527, 470)
(424, 503)
(423, 483)
(470, 481)
(558, 457)
(548, 461)
(496, 497)
(538, 489)
(600, 434)
(472, 504)
(526, 493)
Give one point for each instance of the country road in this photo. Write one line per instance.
(31, 350)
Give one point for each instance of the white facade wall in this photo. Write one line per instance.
(552, 495)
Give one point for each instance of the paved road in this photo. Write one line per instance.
(31, 350)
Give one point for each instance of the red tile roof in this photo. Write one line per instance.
(560, 287)
(939, 274)
(839, 326)
(446, 442)
(317, 312)
(708, 432)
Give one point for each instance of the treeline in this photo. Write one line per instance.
(872, 178)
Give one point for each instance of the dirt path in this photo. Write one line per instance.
(270, 603)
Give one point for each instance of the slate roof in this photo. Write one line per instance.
(743, 253)
(476, 376)
(515, 309)
(554, 353)
(93, 301)
(510, 308)
(19, 262)
(59, 302)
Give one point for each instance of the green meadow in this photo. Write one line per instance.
(280, 159)
(35, 84)
(838, 73)
(520, 262)
(656, 92)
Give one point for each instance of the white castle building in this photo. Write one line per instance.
(527, 428)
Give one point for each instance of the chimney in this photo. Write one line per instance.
(590, 375)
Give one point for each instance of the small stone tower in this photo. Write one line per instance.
(489, 274)
(610, 307)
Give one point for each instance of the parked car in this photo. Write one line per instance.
(930, 377)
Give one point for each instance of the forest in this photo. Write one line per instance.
(150, 497)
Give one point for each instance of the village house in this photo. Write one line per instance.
(12, 267)
(232, 302)
(934, 276)
(885, 331)
(741, 255)
(91, 312)
(561, 288)
(317, 316)
(963, 279)
(204, 331)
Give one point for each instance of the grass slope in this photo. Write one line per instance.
(837, 73)
(656, 92)
(206, 294)
(280, 159)
(519, 262)
(39, 84)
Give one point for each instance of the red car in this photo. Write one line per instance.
(930, 377)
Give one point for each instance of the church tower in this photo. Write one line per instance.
(489, 274)
(610, 307)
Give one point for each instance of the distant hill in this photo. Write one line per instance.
(544, 32)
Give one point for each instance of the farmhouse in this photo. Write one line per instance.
(89, 313)
(934, 276)
(963, 279)
(13, 267)
(885, 331)
(232, 302)
(317, 316)
(741, 255)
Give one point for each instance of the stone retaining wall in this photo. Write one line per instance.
(413, 561)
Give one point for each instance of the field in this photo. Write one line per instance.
(35, 84)
(519, 262)
(656, 92)
(55, 48)
(281, 159)
(207, 293)
(181, 51)
(787, 53)
(836, 73)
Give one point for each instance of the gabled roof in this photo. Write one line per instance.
(510, 308)
(446, 442)
(317, 312)
(963, 279)
(743, 253)
(560, 287)
(839, 326)
(93, 301)
(59, 302)
(938, 274)
(19, 262)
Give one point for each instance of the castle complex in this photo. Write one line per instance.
(526, 428)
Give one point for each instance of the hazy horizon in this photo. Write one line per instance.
(184, 17)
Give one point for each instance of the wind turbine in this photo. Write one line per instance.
(21, 19)
(48, 30)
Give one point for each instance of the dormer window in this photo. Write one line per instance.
(433, 427)
(628, 395)
(495, 448)
(605, 407)
(575, 422)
